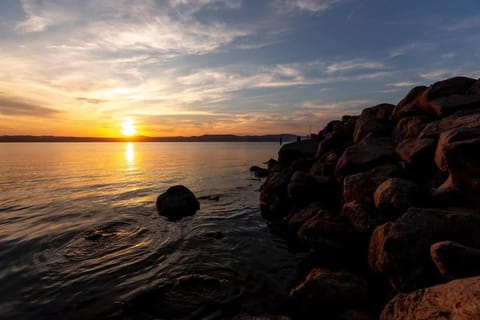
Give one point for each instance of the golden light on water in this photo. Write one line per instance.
(130, 154)
(128, 128)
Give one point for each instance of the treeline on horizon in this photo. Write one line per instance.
(203, 138)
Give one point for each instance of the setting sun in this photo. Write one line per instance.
(128, 128)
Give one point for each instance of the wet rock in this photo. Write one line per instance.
(459, 300)
(324, 290)
(401, 249)
(448, 105)
(259, 172)
(395, 195)
(463, 159)
(273, 196)
(290, 152)
(465, 119)
(374, 120)
(448, 87)
(454, 260)
(177, 202)
(409, 105)
(304, 188)
(361, 186)
(450, 136)
(409, 127)
(371, 152)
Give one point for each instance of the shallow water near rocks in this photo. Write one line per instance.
(80, 237)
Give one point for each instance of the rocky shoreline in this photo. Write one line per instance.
(387, 203)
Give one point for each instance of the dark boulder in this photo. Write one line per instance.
(290, 152)
(474, 88)
(410, 104)
(454, 260)
(259, 172)
(273, 196)
(465, 119)
(455, 300)
(401, 249)
(450, 136)
(371, 152)
(363, 218)
(325, 291)
(336, 137)
(177, 202)
(418, 154)
(409, 127)
(396, 195)
(374, 120)
(296, 219)
(446, 106)
(304, 188)
(463, 159)
(448, 87)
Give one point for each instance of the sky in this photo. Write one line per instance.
(185, 67)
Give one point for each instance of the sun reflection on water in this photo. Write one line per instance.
(130, 154)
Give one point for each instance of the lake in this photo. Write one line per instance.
(80, 237)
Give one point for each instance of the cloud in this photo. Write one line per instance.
(285, 6)
(401, 84)
(13, 106)
(352, 65)
(92, 101)
(409, 48)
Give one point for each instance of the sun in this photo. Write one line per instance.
(128, 128)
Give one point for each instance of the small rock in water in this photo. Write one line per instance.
(259, 172)
(177, 202)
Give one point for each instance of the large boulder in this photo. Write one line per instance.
(450, 136)
(273, 196)
(361, 186)
(363, 218)
(474, 88)
(329, 291)
(445, 106)
(465, 119)
(454, 260)
(304, 188)
(409, 105)
(177, 202)
(463, 159)
(449, 87)
(301, 150)
(371, 152)
(374, 120)
(401, 249)
(409, 127)
(455, 300)
(418, 154)
(396, 195)
(336, 136)
(296, 219)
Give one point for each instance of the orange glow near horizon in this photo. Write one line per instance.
(128, 128)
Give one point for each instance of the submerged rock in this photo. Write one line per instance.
(177, 202)
(456, 300)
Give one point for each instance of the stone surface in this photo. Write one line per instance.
(296, 219)
(445, 106)
(259, 172)
(456, 300)
(396, 195)
(454, 260)
(410, 104)
(363, 219)
(454, 135)
(463, 159)
(374, 120)
(409, 127)
(364, 156)
(401, 249)
(290, 152)
(273, 196)
(305, 188)
(448, 87)
(466, 119)
(324, 289)
(177, 202)
(417, 152)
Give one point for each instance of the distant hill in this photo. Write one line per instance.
(203, 138)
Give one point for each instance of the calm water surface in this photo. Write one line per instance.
(80, 237)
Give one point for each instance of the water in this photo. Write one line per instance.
(80, 237)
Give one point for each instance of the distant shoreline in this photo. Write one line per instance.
(203, 138)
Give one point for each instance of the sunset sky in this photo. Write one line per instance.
(185, 67)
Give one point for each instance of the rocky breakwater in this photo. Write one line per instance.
(387, 203)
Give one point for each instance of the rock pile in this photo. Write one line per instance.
(388, 203)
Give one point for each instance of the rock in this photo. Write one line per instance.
(363, 219)
(463, 159)
(465, 119)
(304, 188)
(272, 165)
(290, 152)
(456, 300)
(297, 219)
(446, 106)
(396, 195)
(245, 316)
(259, 172)
(371, 152)
(446, 195)
(331, 236)
(361, 186)
(418, 153)
(273, 196)
(409, 105)
(177, 202)
(336, 137)
(450, 136)
(454, 260)
(452, 86)
(324, 290)
(401, 249)
(375, 120)
(474, 88)
(409, 127)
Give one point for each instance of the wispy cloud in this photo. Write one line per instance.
(355, 64)
(401, 84)
(14, 106)
(284, 6)
(409, 48)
